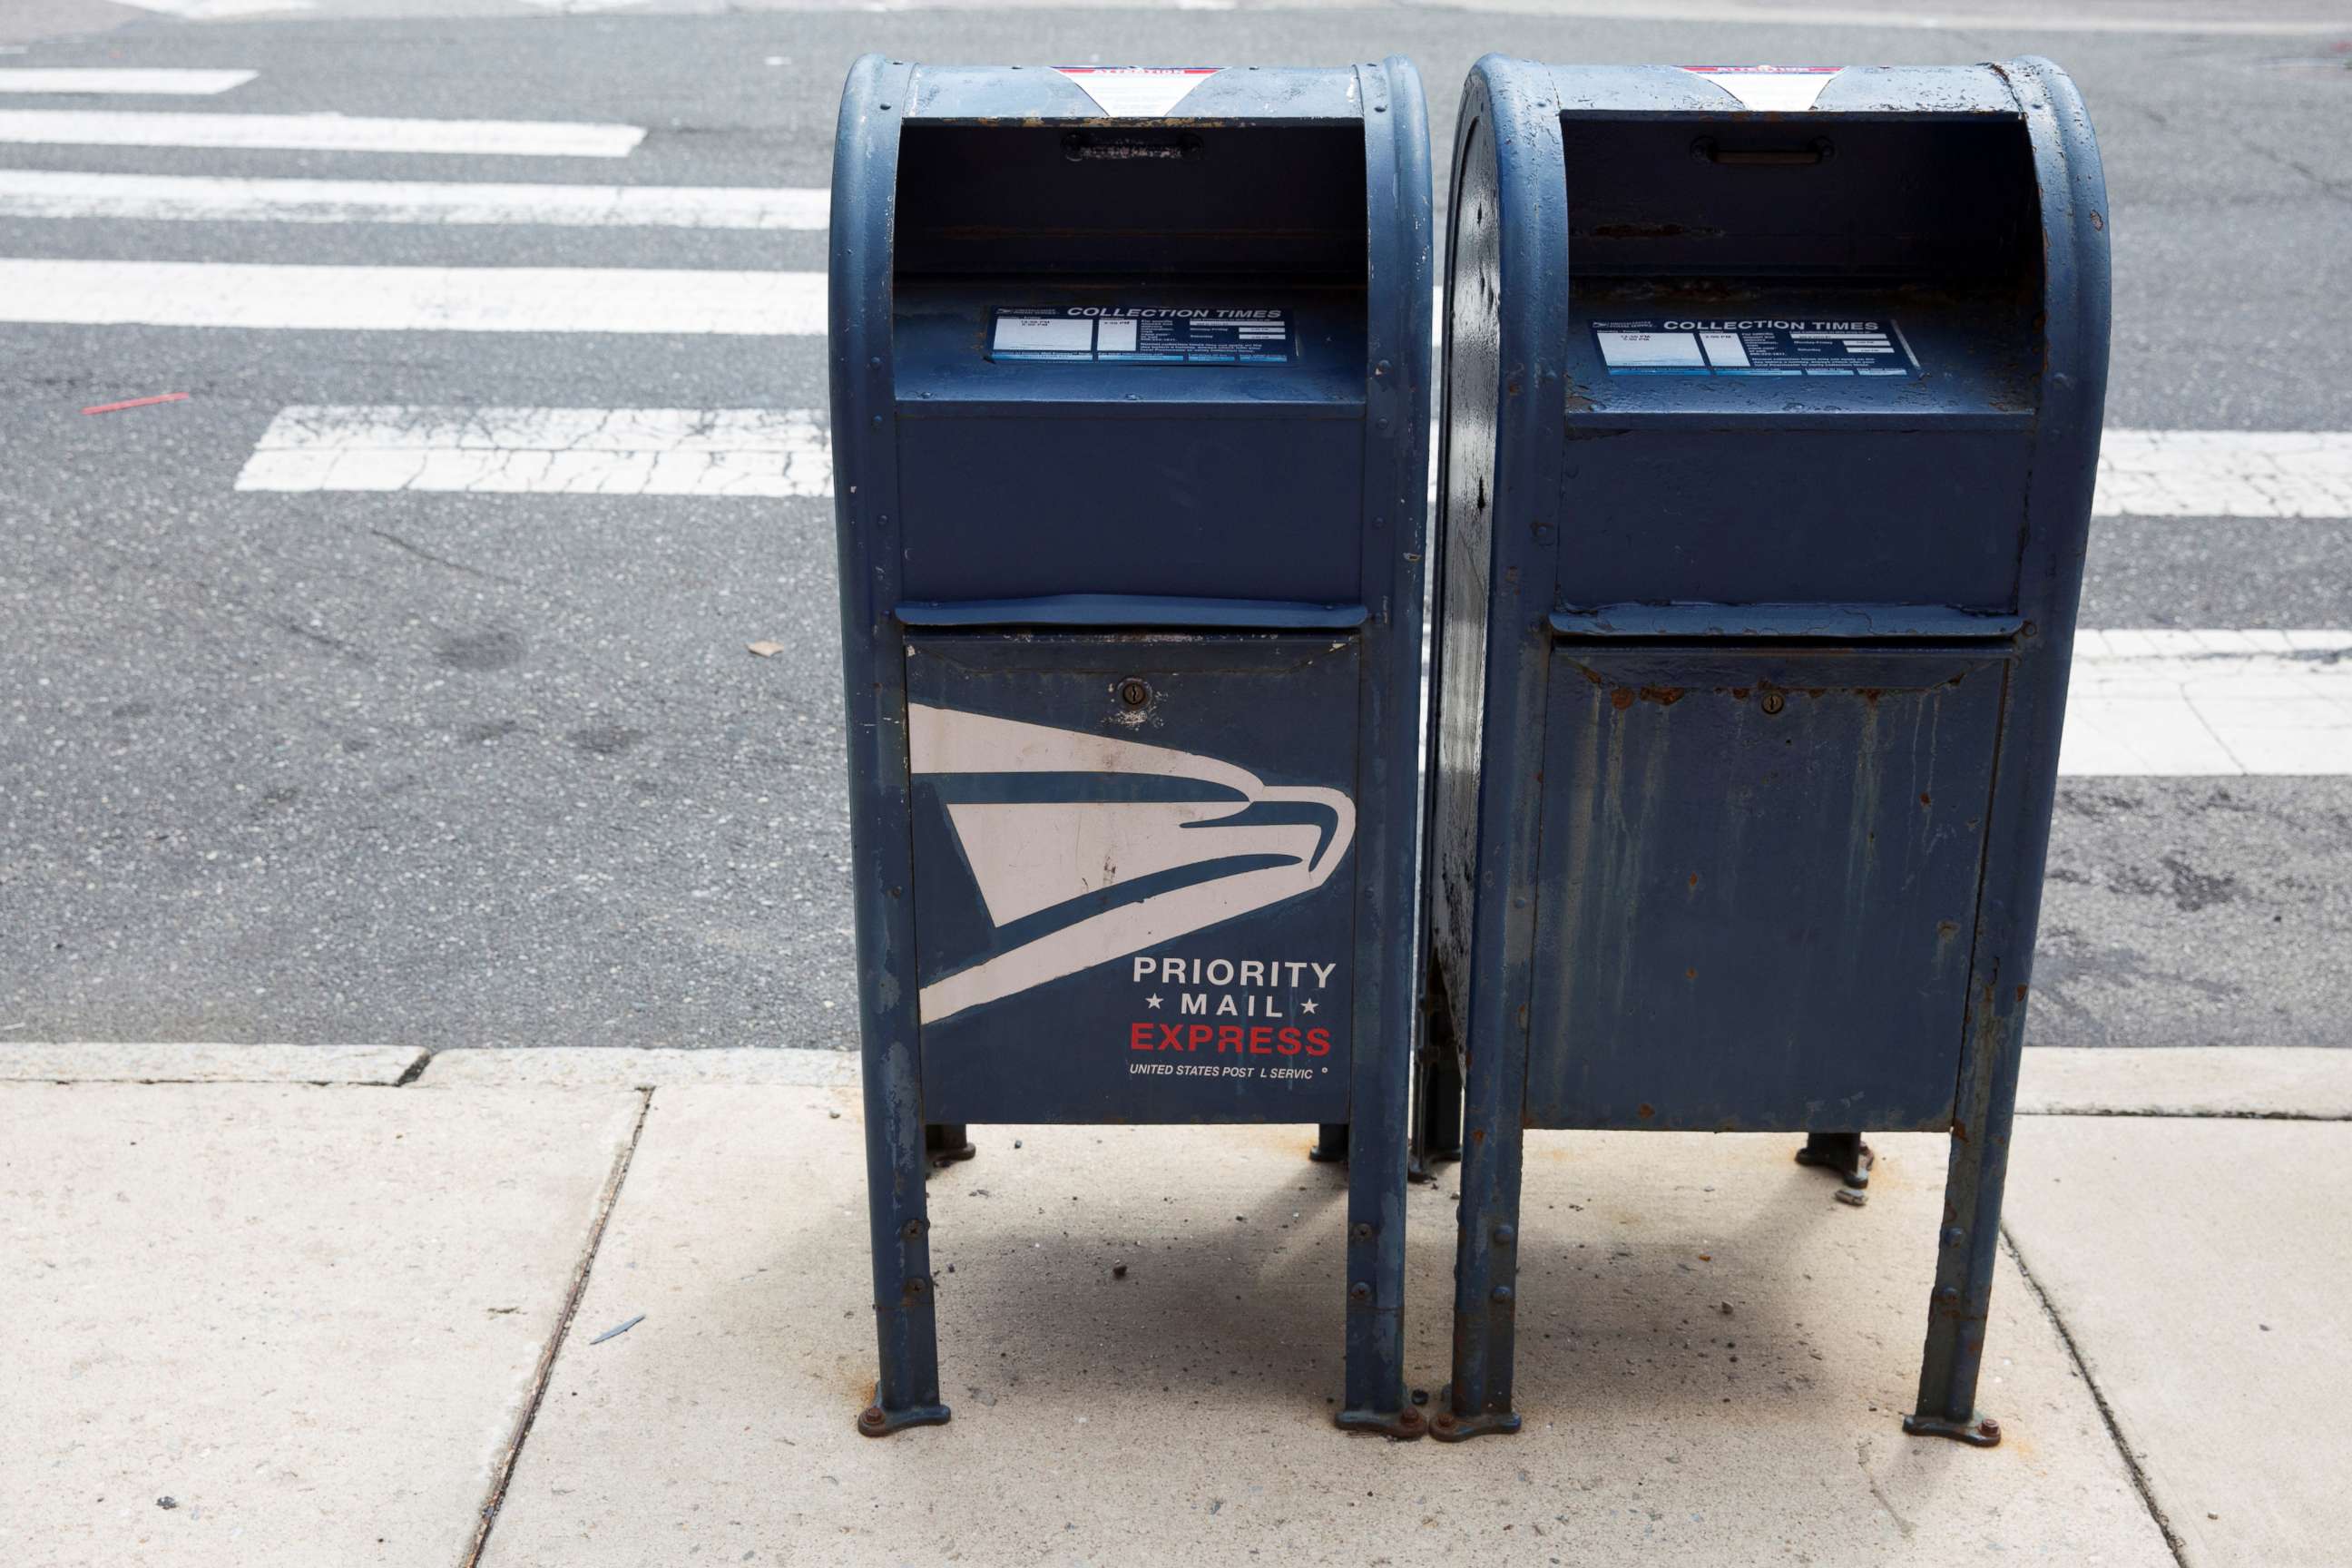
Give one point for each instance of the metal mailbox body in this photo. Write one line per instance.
(1772, 403)
(1129, 423)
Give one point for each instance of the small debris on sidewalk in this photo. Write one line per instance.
(618, 1329)
(136, 403)
(167, 1502)
(763, 649)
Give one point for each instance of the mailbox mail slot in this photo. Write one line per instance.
(1129, 417)
(1772, 406)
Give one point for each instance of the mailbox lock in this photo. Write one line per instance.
(1134, 692)
(1773, 702)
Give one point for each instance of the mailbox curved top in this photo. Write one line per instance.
(954, 94)
(1963, 204)
(966, 195)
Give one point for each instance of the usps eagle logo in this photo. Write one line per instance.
(1134, 843)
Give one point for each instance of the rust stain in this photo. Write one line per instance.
(2021, 992)
(1622, 699)
(1663, 696)
(1645, 1110)
(1690, 975)
(1923, 799)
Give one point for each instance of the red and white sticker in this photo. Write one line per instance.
(1777, 89)
(1137, 92)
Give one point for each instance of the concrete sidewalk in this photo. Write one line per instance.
(277, 1305)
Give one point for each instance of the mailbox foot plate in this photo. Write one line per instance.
(1978, 1431)
(1448, 1428)
(875, 1422)
(1403, 1424)
(1449, 1425)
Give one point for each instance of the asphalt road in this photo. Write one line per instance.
(455, 770)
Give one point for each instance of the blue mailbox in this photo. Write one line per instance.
(1130, 418)
(1772, 402)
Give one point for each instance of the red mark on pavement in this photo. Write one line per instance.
(135, 403)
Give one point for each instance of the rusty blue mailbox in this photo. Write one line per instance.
(1772, 402)
(1129, 421)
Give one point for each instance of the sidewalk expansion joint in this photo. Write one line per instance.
(2140, 1483)
(544, 1372)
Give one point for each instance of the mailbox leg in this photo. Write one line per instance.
(1376, 1398)
(945, 1142)
(1969, 1245)
(1437, 1110)
(1843, 1153)
(1486, 1263)
(1330, 1143)
(1376, 1189)
(906, 1393)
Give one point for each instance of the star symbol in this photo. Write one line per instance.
(1308, 1005)
(1152, 1000)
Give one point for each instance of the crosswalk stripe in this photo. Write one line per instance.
(2204, 703)
(161, 82)
(317, 133)
(544, 451)
(50, 193)
(412, 299)
(2225, 473)
(2144, 703)
(2142, 473)
(213, 10)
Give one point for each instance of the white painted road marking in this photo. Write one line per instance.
(162, 82)
(2178, 703)
(412, 299)
(42, 192)
(319, 133)
(1999, 15)
(544, 451)
(209, 10)
(2225, 473)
